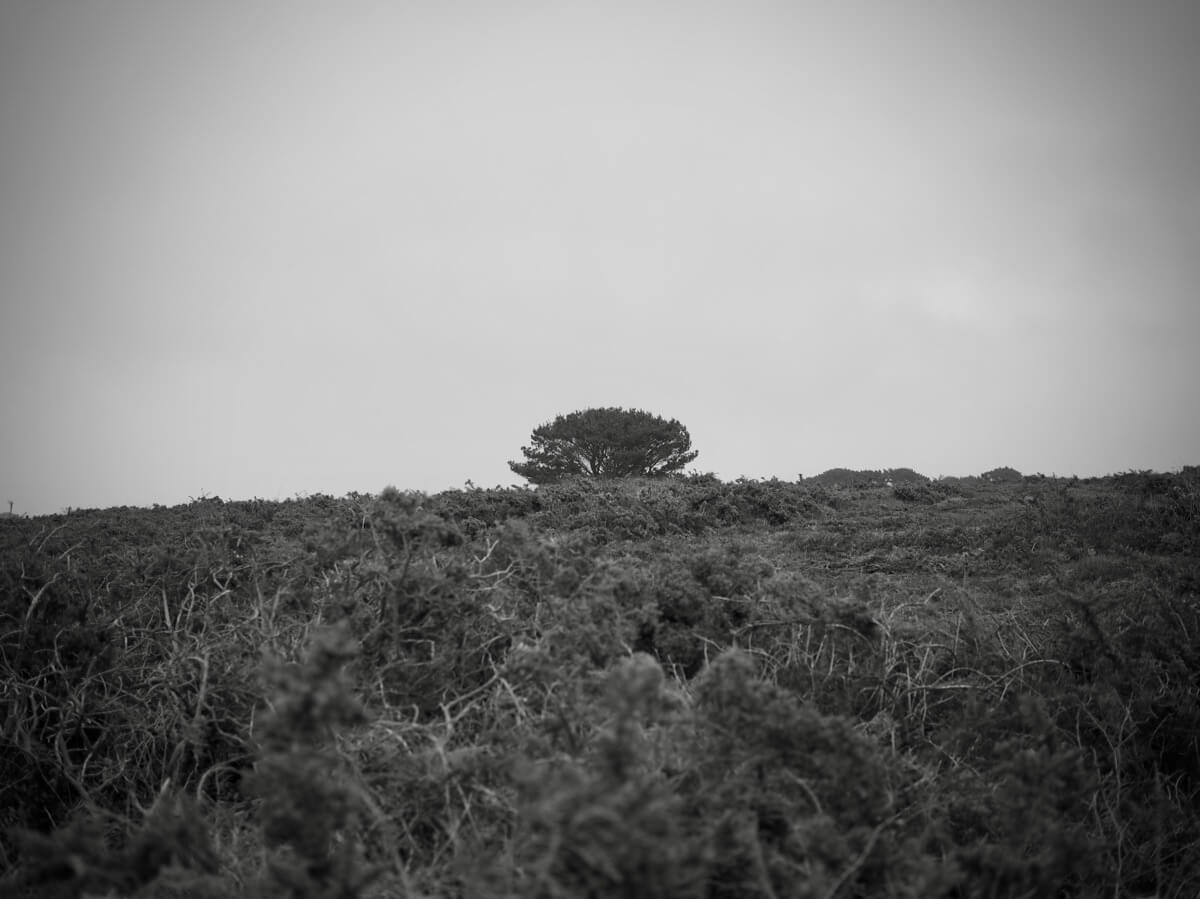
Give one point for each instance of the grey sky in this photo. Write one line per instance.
(269, 248)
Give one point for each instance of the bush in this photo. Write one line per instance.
(669, 687)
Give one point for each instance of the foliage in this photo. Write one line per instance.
(310, 798)
(605, 443)
(1003, 475)
(846, 477)
(659, 687)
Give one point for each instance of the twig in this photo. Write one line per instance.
(862, 857)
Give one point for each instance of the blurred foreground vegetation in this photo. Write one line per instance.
(859, 685)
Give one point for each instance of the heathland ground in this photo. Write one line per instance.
(861, 684)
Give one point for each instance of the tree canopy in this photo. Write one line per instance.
(605, 443)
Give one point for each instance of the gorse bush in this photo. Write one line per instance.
(668, 687)
(311, 803)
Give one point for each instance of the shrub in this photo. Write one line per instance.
(633, 688)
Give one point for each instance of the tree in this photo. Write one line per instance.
(605, 443)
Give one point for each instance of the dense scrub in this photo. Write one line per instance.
(667, 687)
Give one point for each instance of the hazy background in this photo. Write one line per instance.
(266, 248)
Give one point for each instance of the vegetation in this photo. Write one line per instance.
(605, 443)
(654, 687)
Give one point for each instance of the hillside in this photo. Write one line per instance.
(656, 688)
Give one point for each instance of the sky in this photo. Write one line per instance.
(273, 248)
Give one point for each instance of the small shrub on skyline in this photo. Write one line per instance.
(1002, 475)
(846, 477)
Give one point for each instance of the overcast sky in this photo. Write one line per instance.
(261, 249)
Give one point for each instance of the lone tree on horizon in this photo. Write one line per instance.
(605, 443)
